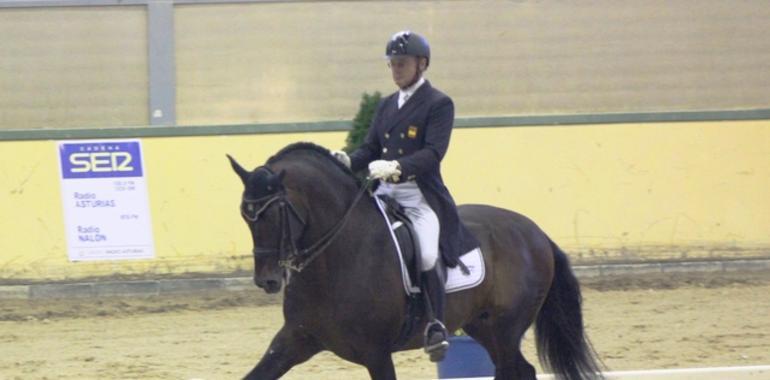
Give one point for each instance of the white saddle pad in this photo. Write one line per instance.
(456, 279)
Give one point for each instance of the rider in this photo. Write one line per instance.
(407, 139)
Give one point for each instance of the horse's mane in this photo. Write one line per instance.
(319, 151)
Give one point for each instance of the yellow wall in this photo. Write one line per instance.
(193, 193)
(627, 191)
(618, 192)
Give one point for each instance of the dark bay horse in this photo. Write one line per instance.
(314, 229)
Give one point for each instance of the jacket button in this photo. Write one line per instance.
(400, 151)
(384, 150)
(402, 135)
(387, 135)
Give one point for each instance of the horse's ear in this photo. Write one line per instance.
(238, 169)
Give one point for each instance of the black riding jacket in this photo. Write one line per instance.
(417, 136)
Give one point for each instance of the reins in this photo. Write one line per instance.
(298, 259)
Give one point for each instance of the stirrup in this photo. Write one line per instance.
(436, 342)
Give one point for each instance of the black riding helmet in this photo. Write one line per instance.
(408, 43)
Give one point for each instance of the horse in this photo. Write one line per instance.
(343, 291)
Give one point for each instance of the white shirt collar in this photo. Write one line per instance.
(404, 95)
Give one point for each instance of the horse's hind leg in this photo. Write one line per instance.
(510, 329)
(502, 339)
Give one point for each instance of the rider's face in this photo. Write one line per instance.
(403, 69)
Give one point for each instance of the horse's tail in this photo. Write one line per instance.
(562, 345)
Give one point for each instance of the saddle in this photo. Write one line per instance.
(467, 274)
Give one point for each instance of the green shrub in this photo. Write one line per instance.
(363, 119)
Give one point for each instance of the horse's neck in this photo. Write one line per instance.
(353, 240)
(328, 202)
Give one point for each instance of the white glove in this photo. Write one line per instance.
(385, 170)
(341, 156)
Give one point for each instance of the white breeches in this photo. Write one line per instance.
(423, 218)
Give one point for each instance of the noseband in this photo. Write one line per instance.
(290, 256)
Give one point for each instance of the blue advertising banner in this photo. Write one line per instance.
(104, 194)
(101, 159)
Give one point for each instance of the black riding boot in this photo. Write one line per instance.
(436, 334)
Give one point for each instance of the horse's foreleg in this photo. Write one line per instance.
(287, 349)
(381, 367)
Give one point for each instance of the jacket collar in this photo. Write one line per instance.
(409, 91)
(398, 115)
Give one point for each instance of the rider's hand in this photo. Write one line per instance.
(341, 156)
(385, 170)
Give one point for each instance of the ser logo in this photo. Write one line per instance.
(99, 160)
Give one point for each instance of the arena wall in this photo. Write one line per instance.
(642, 188)
(241, 63)
(82, 67)
(604, 192)
(88, 66)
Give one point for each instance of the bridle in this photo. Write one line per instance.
(290, 257)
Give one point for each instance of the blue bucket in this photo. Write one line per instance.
(465, 358)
